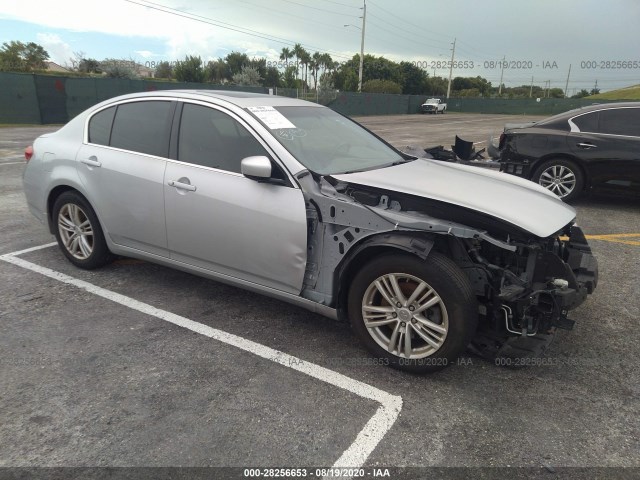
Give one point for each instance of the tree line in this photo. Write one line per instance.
(297, 68)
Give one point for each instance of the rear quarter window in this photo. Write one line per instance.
(587, 122)
(100, 126)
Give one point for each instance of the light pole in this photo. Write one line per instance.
(364, 19)
(501, 75)
(453, 56)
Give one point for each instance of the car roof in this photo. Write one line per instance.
(238, 98)
(560, 119)
(591, 108)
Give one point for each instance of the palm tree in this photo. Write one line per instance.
(285, 55)
(316, 63)
(305, 59)
(326, 62)
(297, 51)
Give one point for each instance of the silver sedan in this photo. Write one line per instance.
(292, 200)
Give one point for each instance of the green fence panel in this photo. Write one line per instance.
(18, 99)
(150, 86)
(52, 98)
(415, 102)
(111, 87)
(81, 94)
(136, 86)
(350, 103)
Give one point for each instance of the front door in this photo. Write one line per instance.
(221, 221)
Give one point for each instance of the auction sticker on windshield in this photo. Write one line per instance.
(272, 118)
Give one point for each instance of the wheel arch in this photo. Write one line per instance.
(53, 196)
(51, 200)
(417, 244)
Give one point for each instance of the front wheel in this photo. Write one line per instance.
(414, 315)
(78, 231)
(560, 176)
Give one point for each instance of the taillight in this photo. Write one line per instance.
(28, 153)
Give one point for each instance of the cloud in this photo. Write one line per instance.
(182, 36)
(147, 54)
(116, 18)
(58, 50)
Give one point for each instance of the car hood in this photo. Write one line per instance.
(503, 196)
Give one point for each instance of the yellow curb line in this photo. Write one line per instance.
(614, 238)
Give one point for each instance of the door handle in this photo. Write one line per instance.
(586, 145)
(92, 161)
(182, 186)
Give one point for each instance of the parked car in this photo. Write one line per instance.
(570, 153)
(290, 199)
(433, 105)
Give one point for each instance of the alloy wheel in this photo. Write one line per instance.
(559, 179)
(405, 315)
(76, 231)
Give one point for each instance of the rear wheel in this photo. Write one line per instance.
(78, 232)
(413, 315)
(560, 176)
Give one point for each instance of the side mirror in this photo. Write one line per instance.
(256, 168)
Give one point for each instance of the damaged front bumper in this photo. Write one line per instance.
(522, 317)
(559, 281)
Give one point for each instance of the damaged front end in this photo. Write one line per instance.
(530, 291)
(525, 285)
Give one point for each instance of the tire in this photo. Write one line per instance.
(560, 176)
(437, 336)
(78, 231)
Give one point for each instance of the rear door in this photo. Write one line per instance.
(609, 144)
(121, 166)
(221, 221)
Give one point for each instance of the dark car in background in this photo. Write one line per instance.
(570, 153)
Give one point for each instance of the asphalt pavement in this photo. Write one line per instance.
(90, 378)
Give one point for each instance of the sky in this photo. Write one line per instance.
(539, 39)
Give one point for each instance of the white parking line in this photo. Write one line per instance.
(11, 163)
(366, 441)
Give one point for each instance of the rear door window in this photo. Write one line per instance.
(620, 121)
(143, 127)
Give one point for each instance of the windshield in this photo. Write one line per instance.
(324, 141)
